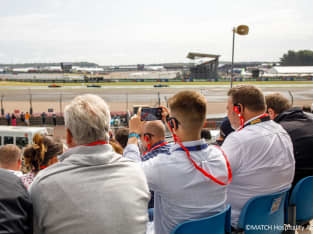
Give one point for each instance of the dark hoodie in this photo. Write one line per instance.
(16, 210)
(299, 125)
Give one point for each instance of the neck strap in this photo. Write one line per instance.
(194, 148)
(156, 147)
(262, 118)
(96, 143)
(206, 174)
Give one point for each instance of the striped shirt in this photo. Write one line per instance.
(164, 149)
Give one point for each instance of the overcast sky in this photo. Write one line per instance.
(145, 31)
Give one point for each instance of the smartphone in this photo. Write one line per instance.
(150, 114)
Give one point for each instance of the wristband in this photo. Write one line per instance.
(133, 134)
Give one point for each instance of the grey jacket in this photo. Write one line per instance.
(92, 191)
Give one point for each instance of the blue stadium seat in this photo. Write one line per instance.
(217, 224)
(301, 202)
(264, 214)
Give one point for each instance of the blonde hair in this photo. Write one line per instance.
(9, 155)
(190, 107)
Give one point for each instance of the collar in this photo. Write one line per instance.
(17, 173)
(83, 150)
(159, 143)
(254, 118)
(259, 118)
(194, 148)
(188, 144)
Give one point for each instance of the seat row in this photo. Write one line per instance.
(271, 213)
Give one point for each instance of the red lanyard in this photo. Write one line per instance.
(204, 172)
(155, 147)
(262, 118)
(97, 143)
(176, 138)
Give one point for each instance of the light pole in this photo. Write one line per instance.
(241, 30)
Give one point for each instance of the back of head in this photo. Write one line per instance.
(190, 108)
(41, 151)
(155, 128)
(87, 117)
(206, 134)
(306, 108)
(225, 128)
(277, 102)
(121, 136)
(248, 96)
(9, 156)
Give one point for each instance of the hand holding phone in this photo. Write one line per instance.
(150, 114)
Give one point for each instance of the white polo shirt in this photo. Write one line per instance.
(262, 162)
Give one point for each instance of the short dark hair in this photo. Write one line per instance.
(277, 102)
(190, 106)
(206, 134)
(306, 108)
(249, 96)
(121, 136)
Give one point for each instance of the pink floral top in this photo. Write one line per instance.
(28, 178)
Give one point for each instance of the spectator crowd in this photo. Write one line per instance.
(135, 180)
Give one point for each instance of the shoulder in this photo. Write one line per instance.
(11, 185)
(47, 175)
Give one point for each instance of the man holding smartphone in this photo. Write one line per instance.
(182, 189)
(153, 138)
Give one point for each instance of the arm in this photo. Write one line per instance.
(131, 151)
(232, 149)
(135, 125)
(35, 192)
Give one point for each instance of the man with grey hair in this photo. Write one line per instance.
(10, 159)
(92, 189)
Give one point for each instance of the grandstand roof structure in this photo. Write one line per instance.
(193, 55)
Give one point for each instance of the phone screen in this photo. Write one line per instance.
(150, 114)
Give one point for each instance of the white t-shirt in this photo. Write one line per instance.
(262, 162)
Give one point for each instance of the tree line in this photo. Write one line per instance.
(300, 58)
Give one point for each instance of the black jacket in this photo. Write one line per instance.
(16, 210)
(299, 125)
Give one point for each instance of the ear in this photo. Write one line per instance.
(19, 164)
(69, 139)
(271, 113)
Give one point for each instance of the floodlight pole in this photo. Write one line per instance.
(232, 59)
(2, 109)
(241, 30)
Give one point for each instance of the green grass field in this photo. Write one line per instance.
(14, 83)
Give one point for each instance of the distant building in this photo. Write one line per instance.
(140, 67)
(206, 67)
(292, 70)
(66, 67)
